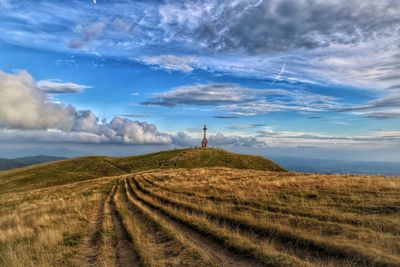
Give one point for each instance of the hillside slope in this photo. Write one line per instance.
(8, 164)
(79, 169)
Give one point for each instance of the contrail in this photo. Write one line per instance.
(278, 76)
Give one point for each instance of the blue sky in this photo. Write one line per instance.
(266, 76)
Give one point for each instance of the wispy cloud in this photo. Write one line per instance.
(382, 108)
(240, 100)
(353, 42)
(60, 87)
(289, 138)
(225, 117)
(133, 115)
(169, 62)
(246, 126)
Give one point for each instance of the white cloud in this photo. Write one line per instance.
(169, 62)
(218, 140)
(347, 42)
(294, 139)
(59, 87)
(26, 114)
(24, 106)
(240, 100)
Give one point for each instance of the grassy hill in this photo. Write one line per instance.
(79, 169)
(8, 164)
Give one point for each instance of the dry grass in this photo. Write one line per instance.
(323, 218)
(45, 227)
(242, 244)
(205, 217)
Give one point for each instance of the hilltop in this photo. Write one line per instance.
(85, 168)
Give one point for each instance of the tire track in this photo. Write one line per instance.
(249, 205)
(173, 252)
(213, 247)
(315, 248)
(93, 244)
(127, 255)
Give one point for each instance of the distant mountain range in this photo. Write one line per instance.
(8, 164)
(337, 166)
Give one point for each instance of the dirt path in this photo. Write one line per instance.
(127, 256)
(91, 249)
(221, 254)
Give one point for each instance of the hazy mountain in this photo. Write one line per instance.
(337, 166)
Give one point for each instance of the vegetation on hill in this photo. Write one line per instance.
(79, 169)
(56, 173)
(194, 158)
(8, 164)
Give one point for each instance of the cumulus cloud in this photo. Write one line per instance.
(182, 139)
(24, 106)
(242, 100)
(59, 87)
(247, 141)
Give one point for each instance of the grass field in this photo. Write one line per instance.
(209, 216)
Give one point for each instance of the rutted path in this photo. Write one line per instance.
(92, 246)
(145, 229)
(223, 255)
(127, 255)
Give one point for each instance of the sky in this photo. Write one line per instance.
(305, 78)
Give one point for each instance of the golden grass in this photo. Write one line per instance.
(108, 255)
(190, 252)
(247, 198)
(246, 244)
(260, 217)
(45, 227)
(144, 245)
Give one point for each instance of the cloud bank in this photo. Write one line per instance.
(26, 113)
(24, 106)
